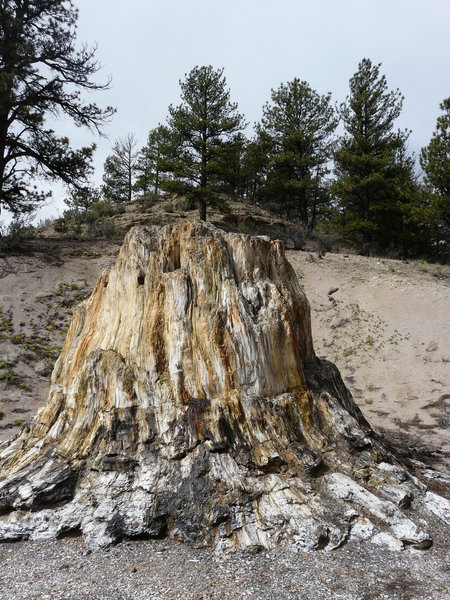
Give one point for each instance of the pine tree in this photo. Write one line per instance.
(80, 203)
(198, 128)
(431, 213)
(230, 165)
(255, 166)
(120, 170)
(299, 124)
(371, 163)
(435, 162)
(148, 169)
(81, 200)
(41, 74)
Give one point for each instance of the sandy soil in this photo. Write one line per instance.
(387, 328)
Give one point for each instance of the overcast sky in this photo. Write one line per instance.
(147, 46)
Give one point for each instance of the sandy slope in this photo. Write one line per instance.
(37, 292)
(387, 328)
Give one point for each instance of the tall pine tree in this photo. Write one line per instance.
(371, 163)
(435, 162)
(299, 123)
(255, 166)
(120, 170)
(198, 127)
(148, 169)
(431, 214)
(230, 171)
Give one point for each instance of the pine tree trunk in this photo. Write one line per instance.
(157, 182)
(202, 210)
(130, 186)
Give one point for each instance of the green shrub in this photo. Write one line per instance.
(13, 236)
(61, 225)
(147, 201)
(326, 242)
(184, 204)
(103, 228)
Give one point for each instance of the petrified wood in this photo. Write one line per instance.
(187, 401)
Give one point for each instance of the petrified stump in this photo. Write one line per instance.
(188, 401)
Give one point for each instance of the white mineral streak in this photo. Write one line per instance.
(437, 505)
(386, 539)
(187, 401)
(402, 528)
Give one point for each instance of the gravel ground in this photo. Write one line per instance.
(165, 569)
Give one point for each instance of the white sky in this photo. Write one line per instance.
(147, 46)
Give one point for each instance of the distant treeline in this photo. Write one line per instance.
(362, 184)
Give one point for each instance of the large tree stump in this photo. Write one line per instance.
(188, 401)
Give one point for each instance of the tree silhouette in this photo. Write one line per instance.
(42, 74)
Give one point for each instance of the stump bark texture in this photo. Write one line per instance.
(187, 401)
